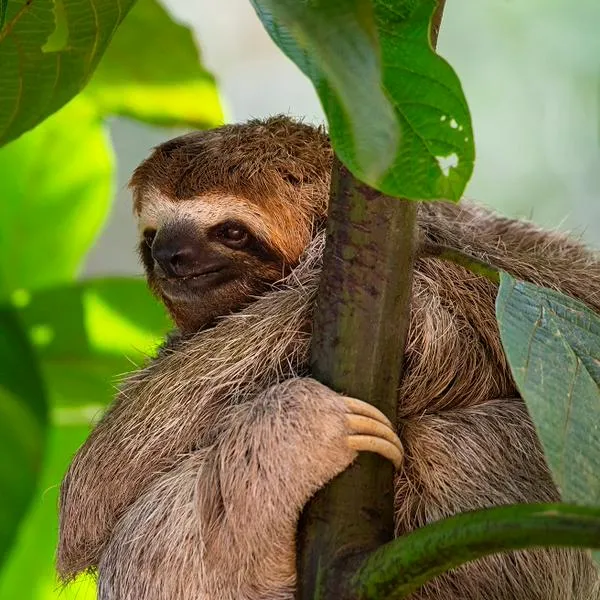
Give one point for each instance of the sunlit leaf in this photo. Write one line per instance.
(22, 425)
(553, 347)
(160, 81)
(402, 566)
(48, 51)
(332, 42)
(56, 193)
(88, 335)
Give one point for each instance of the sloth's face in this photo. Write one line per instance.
(205, 257)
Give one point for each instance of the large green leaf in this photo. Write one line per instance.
(335, 45)
(29, 572)
(22, 425)
(553, 347)
(332, 42)
(405, 564)
(48, 51)
(56, 192)
(88, 334)
(160, 81)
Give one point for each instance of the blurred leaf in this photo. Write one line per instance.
(402, 566)
(332, 43)
(87, 335)
(152, 72)
(48, 51)
(56, 193)
(553, 347)
(3, 7)
(29, 573)
(22, 425)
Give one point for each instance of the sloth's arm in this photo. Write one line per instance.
(223, 523)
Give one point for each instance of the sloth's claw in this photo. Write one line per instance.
(371, 431)
(358, 407)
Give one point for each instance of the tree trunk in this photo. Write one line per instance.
(358, 342)
(360, 326)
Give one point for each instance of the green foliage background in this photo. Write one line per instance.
(57, 187)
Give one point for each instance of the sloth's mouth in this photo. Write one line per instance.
(195, 276)
(194, 284)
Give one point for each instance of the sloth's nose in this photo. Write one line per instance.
(179, 251)
(176, 259)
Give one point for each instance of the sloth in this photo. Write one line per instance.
(191, 485)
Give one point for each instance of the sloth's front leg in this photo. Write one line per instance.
(223, 523)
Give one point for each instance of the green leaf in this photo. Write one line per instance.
(48, 51)
(29, 572)
(335, 44)
(89, 334)
(56, 193)
(405, 564)
(332, 43)
(553, 347)
(22, 425)
(3, 7)
(166, 83)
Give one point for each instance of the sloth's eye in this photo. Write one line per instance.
(149, 235)
(234, 235)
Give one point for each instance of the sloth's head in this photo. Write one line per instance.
(225, 213)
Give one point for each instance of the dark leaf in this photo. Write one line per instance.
(48, 51)
(402, 566)
(23, 417)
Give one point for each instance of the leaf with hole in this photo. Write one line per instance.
(397, 114)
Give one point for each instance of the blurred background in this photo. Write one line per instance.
(531, 74)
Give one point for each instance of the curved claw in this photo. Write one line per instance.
(368, 443)
(372, 431)
(359, 407)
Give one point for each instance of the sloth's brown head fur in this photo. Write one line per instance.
(225, 213)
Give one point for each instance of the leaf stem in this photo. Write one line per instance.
(473, 264)
(404, 565)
